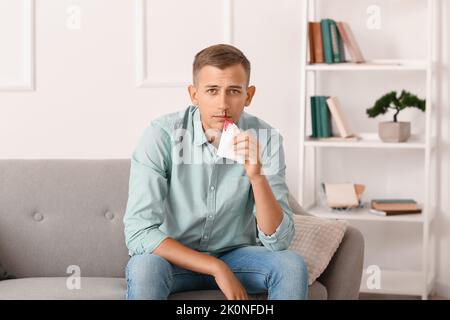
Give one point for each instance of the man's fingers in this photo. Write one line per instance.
(243, 137)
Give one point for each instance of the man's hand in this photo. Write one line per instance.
(229, 284)
(247, 145)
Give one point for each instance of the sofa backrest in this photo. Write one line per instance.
(55, 213)
(58, 213)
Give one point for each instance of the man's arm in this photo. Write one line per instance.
(268, 211)
(273, 214)
(187, 258)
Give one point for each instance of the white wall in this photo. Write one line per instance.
(86, 103)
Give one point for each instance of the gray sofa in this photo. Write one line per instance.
(60, 213)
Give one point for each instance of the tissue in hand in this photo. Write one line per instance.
(226, 150)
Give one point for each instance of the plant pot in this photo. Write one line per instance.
(394, 131)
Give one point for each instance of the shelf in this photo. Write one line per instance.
(398, 282)
(374, 65)
(362, 214)
(369, 140)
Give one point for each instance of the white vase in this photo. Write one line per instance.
(390, 131)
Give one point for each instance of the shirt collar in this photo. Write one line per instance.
(199, 133)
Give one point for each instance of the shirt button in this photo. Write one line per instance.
(210, 216)
(212, 188)
(205, 237)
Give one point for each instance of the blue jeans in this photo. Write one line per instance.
(283, 275)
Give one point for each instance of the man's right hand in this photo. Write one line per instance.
(229, 283)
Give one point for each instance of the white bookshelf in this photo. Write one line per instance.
(361, 214)
(374, 65)
(404, 281)
(371, 140)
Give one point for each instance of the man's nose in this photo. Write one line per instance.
(223, 104)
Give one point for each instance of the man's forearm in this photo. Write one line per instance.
(187, 258)
(268, 211)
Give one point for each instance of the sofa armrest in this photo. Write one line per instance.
(342, 277)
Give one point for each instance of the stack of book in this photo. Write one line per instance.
(390, 207)
(323, 109)
(327, 39)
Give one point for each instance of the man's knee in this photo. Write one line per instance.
(292, 264)
(147, 268)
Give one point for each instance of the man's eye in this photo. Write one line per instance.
(211, 90)
(233, 91)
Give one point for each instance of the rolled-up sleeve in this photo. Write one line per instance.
(148, 187)
(274, 168)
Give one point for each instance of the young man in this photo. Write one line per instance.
(190, 225)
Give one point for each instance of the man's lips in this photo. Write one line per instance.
(222, 118)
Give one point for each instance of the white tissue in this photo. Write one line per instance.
(226, 149)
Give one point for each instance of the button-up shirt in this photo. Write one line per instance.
(180, 188)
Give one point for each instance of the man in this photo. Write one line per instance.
(189, 224)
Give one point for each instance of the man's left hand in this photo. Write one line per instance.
(247, 145)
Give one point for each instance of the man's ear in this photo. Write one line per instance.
(193, 94)
(250, 93)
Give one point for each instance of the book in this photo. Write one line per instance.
(388, 207)
(394, 200)
(324, 118)
(350, 42)
(312, 56)
(318, 122)
(341, 122)
(314, 132)
(335, 42)
(341, 46)
(393, 213)
(326, 40)
(394, 206)
(315, 42)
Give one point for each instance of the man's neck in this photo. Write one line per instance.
(212, 135)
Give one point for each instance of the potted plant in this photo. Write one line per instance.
(395, 131)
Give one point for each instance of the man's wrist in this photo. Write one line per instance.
(216, 267)
(257, 179)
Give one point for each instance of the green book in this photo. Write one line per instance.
(326, 40)
(325, 118)
(394, 200)
(335, 47)
(314, 133)
(318, 117)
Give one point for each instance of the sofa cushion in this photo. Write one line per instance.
(316, 240)
(54, 288)
(316, 291)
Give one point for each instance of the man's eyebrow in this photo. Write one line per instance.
(216, 86)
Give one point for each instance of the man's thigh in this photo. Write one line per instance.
(186, 280)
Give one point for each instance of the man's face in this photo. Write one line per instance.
(221, 94)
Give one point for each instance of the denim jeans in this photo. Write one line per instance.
(283, 275)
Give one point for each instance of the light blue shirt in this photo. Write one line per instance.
(180, 188)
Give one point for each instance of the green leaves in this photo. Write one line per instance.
(391, 101)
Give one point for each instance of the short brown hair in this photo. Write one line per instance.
(220, 56)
